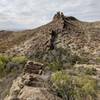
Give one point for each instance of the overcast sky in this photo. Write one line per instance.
(26, 14)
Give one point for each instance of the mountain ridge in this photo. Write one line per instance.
(62, 30)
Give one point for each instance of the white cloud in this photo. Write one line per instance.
(22, 14)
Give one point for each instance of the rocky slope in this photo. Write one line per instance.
(31, 85)
(80, 37)
(65, 41)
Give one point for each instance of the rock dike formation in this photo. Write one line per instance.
(31, 85)
(64, 44)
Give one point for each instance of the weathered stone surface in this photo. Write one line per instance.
(34, 67)
(30, 87)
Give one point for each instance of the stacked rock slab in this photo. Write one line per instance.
(33, 67)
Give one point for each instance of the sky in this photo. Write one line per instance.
(28, 14)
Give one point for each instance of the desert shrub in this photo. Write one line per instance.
(97, 60)
(5, 58)
(74, 59)
(61, 58)
(86, 87)
(60, 78)
(63, 84)
(3, 61)
(58, 56)
(19, 59)
(55, 65)
(83, 60)
(73, 88)
(85, 70)
(10, 64)
(90, 71)
(2, 64)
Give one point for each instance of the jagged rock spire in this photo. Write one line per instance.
(58, 15)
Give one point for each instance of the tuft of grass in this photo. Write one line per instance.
(19, 59)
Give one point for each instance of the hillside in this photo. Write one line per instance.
(62, 31)
(64, 44)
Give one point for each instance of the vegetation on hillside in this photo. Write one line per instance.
(74, 88)
(10, 64)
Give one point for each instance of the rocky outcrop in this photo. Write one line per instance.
(82, 38)
(31, 85)
(33, 67)
(58, 15)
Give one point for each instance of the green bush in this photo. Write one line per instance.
(86, 87)
(63, 84)
(19, 59)
(74, 87)
(2, 64)
(55, 66)
(60, 79)
(5, 58)
(85, 70)
(90, 71)
(83, 60)
(3, 61)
